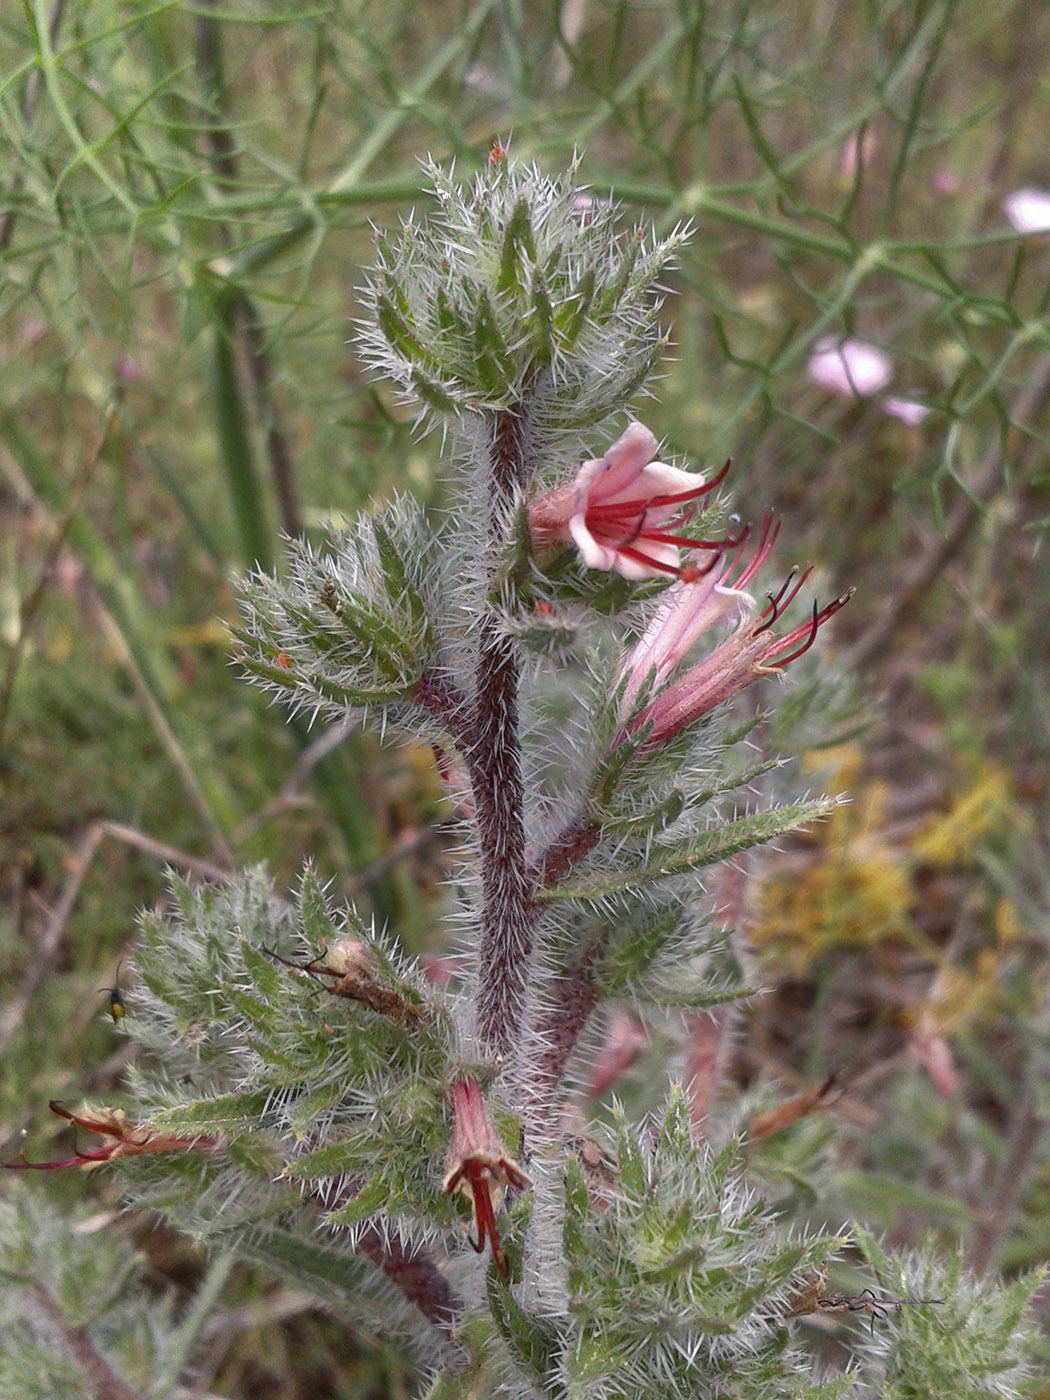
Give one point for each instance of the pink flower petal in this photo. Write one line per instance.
(851, 368)
(910, 411)
(1028, 210)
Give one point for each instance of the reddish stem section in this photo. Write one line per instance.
(494, 760)
(560, 1028)
(415, 1274)
(103, 1380)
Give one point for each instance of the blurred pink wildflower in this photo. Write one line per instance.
(935, 1056)
(857, 152)
(910, 411)
(1028, 210)
(616, 510)
(624, 1041)
(752, 650)
(850, 368)
(945, 181)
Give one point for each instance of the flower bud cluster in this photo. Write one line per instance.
(348, 628)
(679, 1273)
(520, 288)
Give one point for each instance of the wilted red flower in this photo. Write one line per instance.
(617, 510)
(478, 1164)
(126, 1140)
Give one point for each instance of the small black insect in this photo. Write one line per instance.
(117, 1008)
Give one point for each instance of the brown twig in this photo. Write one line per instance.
(107, 1385)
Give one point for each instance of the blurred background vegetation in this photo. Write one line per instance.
(186, 203)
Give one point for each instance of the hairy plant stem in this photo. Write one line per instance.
(494, 761)
(561, 1025)
(104, 1382)
(415, 1274)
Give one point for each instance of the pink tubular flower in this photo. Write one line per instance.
(852, 368)
(688, 609)
(477, 1163)
(752, 650)
(616, 510)
(910, 411)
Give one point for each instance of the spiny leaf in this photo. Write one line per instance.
(238, 1110)
(708, 848)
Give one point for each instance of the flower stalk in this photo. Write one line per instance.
(494, 763)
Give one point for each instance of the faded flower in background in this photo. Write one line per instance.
(909, 411)
(851, 368)
(1028, 210)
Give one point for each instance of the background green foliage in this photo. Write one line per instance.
(187, 199)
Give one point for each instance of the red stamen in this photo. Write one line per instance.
(24, 1166)
(476, 1176)
(617, 510)
(485, 1218)
(766, 540)
(684, 541)
(640, 557)
(808, 631)
(697, 492)
(102, 1128)
(780, 602)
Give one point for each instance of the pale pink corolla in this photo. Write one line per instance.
(850, 368)
(935, 1056)
(617, 510)
(1028, 210)
(752, 650)
(910, 411)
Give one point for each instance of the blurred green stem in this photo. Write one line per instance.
(255, 534)
(193, 1323)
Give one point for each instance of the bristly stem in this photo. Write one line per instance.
(496, 778)
(412, 1270)
(101, 1378)
(561, 1026)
